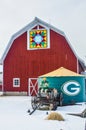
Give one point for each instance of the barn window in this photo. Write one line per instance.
(16, 82)
(38, 38)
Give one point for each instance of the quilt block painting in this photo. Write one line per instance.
(38, 39)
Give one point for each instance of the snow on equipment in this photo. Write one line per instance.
(46, 99)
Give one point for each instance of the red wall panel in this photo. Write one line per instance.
(22, 63)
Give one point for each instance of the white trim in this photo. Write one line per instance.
(31, 86)
(48, 37)
(14, 81)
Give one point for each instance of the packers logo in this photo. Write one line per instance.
(71, 88)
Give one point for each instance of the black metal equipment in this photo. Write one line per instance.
(49, 98)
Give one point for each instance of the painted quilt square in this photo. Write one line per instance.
(38, 39)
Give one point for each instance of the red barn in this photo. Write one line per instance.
(36, 49)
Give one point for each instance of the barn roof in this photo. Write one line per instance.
(34, 23)
(61, 72)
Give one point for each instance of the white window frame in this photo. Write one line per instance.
(16, 80)
(48, 37)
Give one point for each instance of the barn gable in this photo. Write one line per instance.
(31, 26)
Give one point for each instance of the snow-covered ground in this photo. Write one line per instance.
(14, 116)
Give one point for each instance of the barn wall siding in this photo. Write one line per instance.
(22, 63)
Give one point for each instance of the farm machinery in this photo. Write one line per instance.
(49, 98)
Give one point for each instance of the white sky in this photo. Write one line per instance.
(66, 15)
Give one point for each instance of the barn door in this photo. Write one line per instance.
(32, 86)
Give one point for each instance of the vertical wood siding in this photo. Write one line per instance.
(22, 63)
